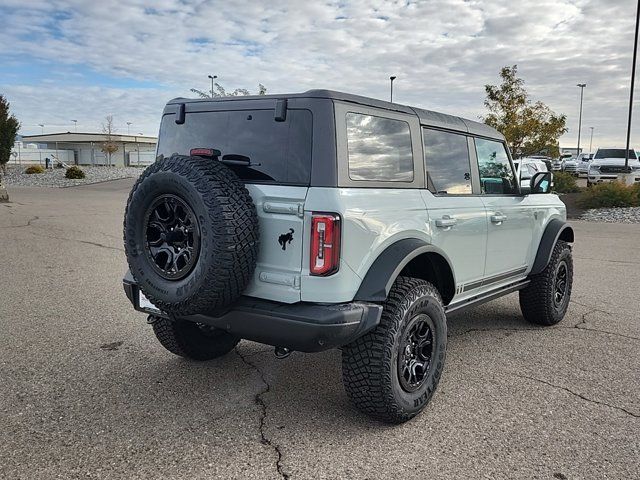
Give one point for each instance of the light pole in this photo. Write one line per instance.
(633, 79)
(41, 125)
(212, 78)
(128, 128)
(75, 125)
(591, 140)
(392, 78)
(581, 85)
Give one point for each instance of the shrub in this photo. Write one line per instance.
(565, 183)
(612, 194)
(34, 169)
(74, 173)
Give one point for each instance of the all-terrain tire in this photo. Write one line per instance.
(371, 367)
(228, 234)
(192, 340)
(538, 301)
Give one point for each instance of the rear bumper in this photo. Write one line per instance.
(302, 326)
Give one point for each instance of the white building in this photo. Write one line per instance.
(85, 149)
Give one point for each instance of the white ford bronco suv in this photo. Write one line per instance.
(326, 220)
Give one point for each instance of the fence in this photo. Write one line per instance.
(30, 156)
(137, 159)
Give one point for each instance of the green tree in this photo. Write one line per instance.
(9, 127)
(530, 128)
(222, 92)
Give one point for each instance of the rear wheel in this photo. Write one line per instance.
(546, 298)
(392, 372)
(192, 340)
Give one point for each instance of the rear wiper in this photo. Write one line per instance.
(238, 160)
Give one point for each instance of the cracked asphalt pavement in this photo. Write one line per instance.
(87, 392)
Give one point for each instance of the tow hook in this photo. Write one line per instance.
(282, 352)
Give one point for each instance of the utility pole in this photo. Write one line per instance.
(633, 79)
(591, 141)
(41, 125)
(212, 78)
(581, 85)
(128, 128)
(392, 78)
(75, 125)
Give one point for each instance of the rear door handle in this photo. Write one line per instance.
(446, 222)
(498, 218)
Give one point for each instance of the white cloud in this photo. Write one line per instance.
(443, 52)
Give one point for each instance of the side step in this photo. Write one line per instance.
(467, 303)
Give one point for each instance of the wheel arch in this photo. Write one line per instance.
(555, 230)
(411, 257)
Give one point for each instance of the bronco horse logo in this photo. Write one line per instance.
(286, 238)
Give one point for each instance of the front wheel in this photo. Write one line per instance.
(191, 340)
(546, 299)
(392, 372)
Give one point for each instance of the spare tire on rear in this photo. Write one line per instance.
(190, 235)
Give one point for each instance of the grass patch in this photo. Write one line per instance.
(74, 173)
(34, 169)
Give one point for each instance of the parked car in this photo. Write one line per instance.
(609, 163)
(556, 164)
(583, 160)
(570, 165)
(326, 220)
(527, 167)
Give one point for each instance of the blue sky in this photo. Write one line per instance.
(73, 59)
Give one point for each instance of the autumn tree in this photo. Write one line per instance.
(9, 127)
(529, 128)
(109, 146)
(220, 91)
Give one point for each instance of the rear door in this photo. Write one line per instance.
(457, 216)
(273, 158)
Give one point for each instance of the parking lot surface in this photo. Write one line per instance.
(86, 391)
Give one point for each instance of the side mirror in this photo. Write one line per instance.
(541, 182)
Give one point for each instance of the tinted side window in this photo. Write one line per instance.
(379, 149)
(280, 152)
(447, 159)
(496, 174)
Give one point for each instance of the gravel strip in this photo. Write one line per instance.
(55, 178)
(612, 215)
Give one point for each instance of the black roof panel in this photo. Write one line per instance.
(427, 117)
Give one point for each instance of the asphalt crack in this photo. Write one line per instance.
(28, 224)
(583, 321)
(579, 395)
(264, 439)
(86, 242)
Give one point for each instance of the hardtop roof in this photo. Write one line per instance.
(426, 117)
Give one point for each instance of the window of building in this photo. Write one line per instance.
(447, 161)
(496, 174)
(379, 148)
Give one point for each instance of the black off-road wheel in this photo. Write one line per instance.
(192, 340)
(191, 235)
(546, 299)
(392, 372)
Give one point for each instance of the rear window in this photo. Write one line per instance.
(614, 153)
(279, 152)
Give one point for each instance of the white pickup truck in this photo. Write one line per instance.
(609, 163)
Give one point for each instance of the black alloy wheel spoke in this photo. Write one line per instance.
(172, 237)
(414, 358)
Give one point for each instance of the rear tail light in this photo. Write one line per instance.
(325, 244)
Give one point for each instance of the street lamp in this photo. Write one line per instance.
(581, 85)
(392, 78)
(75, 125)
(41, 125)
(212, 78)
(128, 128)
(633, 79)
(591, 140)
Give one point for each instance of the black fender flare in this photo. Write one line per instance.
(555, 230)
(385, 269)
